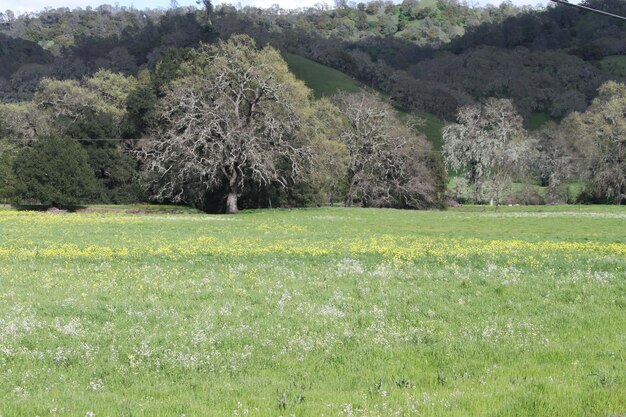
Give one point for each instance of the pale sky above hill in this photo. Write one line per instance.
(37, 5)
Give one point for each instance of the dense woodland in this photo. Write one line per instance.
(95, 105)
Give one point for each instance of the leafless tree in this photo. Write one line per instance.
(555, 161)
(235, 116)
(599, 135)
(388, 164)
(488, 145)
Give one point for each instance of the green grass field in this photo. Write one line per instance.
(432, 128)
(323, 80)
(538, 119)
(314, 312)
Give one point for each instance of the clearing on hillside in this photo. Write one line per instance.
(326, 81)
(323, 80)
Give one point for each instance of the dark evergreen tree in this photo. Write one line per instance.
(54, 172)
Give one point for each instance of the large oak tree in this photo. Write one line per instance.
(389, 164)
(236, 115)
(487, 146)
(599, 135)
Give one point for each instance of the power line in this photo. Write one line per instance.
(423, 148)
(106, 139)
(589, 9)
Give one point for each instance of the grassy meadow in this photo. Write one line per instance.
(323, 80)
(314, 312)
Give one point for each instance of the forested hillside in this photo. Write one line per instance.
(546, 60)
(101, 76)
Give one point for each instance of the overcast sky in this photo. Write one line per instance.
(37, 5)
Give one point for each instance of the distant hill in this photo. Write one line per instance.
(429, 57)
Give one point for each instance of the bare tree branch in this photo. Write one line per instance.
(235, 116)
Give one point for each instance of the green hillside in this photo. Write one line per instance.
(323, 80)
(537, 119)
(432, 128)
(326, 81)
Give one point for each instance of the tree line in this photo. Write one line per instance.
(489, 148)
(232, 128)
(107, 90)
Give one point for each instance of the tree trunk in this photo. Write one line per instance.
(231, 200)
(350, 193)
